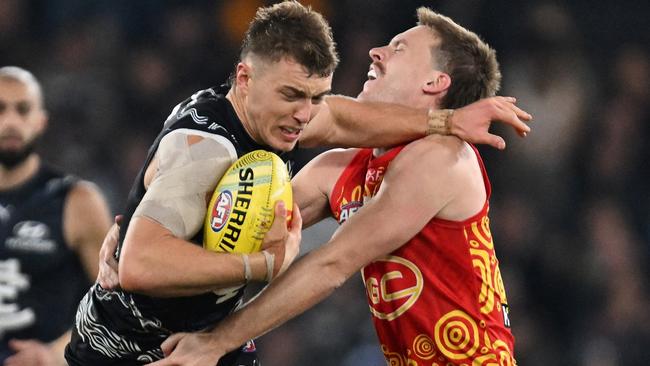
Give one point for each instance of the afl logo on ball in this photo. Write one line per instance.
(221, 211)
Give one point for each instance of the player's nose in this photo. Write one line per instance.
(303, 114)
(377, 54)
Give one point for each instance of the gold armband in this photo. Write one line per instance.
(439, 121)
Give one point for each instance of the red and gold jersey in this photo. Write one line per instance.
(439, 299)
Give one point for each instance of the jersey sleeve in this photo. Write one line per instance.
(203, 112)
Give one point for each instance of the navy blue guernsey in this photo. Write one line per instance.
(119, 325)
(41, 278)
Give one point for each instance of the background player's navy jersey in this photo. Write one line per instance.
(128, 326)
(41, 278)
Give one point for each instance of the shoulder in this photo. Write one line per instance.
(84, 197)
(444, 169)
(83, 189)
(325, 169)
(438, 150)
(338, 157)
(445, 159)
(207, 110)
(181, 144)
(329, 163)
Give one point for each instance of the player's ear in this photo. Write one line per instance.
(243, 76)
(438, 83)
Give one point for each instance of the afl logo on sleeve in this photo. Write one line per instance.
(393, 285)
(221, 211)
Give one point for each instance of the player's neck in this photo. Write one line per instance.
(238, 105)
(15, 176)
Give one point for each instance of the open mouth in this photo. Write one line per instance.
(292, 133)
(372, 74)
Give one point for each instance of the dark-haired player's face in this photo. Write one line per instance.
(281, 98)
(22, 120)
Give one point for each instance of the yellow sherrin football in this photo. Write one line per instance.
(244, 198)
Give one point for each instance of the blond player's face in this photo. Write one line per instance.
(22, 118)
(401, 69)
(281, 99)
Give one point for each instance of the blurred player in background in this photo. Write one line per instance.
(51, 229)
(168, 282)
(414, 217)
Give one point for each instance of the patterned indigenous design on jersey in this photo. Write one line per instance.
(439, 299)
(41, 278)
(118, 326)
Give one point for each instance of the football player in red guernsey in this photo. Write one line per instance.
(414, 218)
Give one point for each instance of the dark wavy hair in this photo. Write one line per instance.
(289, 29)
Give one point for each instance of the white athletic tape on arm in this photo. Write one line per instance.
(270, 263)
(248, 273)
(186, 173)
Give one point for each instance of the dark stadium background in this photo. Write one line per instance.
(571, 205)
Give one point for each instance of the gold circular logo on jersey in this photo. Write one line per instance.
(423, 347)
(456, 335)
(379, 292)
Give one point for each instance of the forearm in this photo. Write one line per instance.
(346, 122)
(306, 283)
(350, 123)
(316, 275)
(58, 348)
(165, 266)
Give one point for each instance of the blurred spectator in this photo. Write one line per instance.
(552, 78)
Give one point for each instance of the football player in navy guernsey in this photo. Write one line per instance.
(51, 228)
(276, 99)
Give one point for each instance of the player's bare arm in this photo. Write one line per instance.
(319, 273)
(346, 122)
(156, 258)
(312, 185)
(310, 191)
(86, 221)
